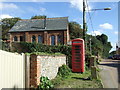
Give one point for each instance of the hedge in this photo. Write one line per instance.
(25, 47)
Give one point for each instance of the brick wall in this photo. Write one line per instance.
(27, 37)
(12, 35)
(55, 33)
(65, 37)
(34, 71)
(36, 34)
(46, 36)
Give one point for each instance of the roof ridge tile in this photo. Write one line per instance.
(43, 19)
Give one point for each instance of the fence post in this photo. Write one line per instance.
(1, 37)
(27, 71)
(23, 56)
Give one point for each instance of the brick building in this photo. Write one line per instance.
(49, 31)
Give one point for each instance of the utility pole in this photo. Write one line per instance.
(84, 20)
(84, 24)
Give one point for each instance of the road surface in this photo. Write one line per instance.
(110, 73)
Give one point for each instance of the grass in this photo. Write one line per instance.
(77, 80)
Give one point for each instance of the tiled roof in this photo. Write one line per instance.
(39, 24)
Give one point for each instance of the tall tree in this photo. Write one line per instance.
(75, 30)
(38, 17)
(95, 45)
(106, 45)
(103, 38)
(6, 25)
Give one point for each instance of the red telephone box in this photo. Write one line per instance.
(78, 55)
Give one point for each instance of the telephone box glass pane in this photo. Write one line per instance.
(77, 42)
(77, 54)
(77, 60)
(77, 46)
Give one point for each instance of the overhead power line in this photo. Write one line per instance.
(90, 17)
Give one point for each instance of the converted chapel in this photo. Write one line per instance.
(48, 31)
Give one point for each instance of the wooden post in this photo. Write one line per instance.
(93, 72)
(92, 61)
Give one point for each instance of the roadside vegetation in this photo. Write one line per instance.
(75, 80)
(67, 79)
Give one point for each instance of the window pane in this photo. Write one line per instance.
(33, 38)
(15, 38)
(59, 39)
(52, 40)
(40, 39)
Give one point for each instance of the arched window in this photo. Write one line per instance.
(33, 38)
(52, 40)
(15, 38)
(40, 39)
(59, 39)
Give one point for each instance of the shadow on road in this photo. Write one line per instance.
(115, 64)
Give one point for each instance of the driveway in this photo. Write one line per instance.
(110, 73)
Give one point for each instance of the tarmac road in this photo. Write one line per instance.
(110, 73)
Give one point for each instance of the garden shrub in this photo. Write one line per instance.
(5, 46)
(64, 71)
(45, 83)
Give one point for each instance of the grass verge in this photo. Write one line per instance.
(77, 80)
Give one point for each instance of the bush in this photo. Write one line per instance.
(45, 83)
(64, 71)
(5, 46)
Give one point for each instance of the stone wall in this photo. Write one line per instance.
(44, 65)
(49, 65)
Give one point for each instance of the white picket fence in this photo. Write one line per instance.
(12, 70)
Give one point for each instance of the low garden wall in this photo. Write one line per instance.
(44, 65)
